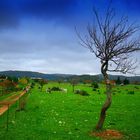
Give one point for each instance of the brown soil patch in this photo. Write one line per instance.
(13, 97)
(3, 109)
(108, 134)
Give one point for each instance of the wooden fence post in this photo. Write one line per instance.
(7, 118)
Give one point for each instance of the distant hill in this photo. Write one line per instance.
(67, 77)
(33, 75)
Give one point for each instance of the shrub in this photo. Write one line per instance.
(126, 81)
(94, 89)
(114, 93)
(119, 91)
(118, 81)
(136, 87)
(32, 85)
(8, 86)
(22, 82)
(130, 92)
(55, 89)
(77, 91)
(82, 92)
(95, 85)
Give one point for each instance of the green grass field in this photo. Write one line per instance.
(68, 116)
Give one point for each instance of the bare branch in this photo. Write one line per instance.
(112, 42)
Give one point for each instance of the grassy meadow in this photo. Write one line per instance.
(69, 116)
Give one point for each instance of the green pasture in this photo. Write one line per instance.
(69, 116)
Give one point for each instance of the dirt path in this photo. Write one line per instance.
(3, 109)
(6, 103)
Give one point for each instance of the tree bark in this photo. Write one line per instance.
(108, 97)
(73, 87)
(105, 107)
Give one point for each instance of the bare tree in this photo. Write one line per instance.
(112, 42)
(74, 82)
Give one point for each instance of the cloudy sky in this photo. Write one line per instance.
(39, 35)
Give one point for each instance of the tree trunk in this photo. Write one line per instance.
(73, 87)
(105, 106)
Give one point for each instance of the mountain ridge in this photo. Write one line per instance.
(57, 76)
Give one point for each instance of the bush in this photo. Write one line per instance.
(130, 92)
(126, 81)
(94, 89)
(81, 92)
(8, 86)
(114, 93)
(55, 89)
(118, 81)
(32, 85)
(95, 85)
(77, 91)
(84, 93)
(136, 87)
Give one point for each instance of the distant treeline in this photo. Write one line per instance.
(68, 77)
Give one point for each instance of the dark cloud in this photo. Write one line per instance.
(49, 7)
(133, 4)
(8, 14)
(12, 11)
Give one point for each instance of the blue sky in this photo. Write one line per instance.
(39, 35)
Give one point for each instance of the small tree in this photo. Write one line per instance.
(42, 82)
(22, 82)
(126, 81)
(95, 85)
(59, 81)
(73, 83)
(87, 81)
(111, 41)
(118, 81)
(13, 79)
(7, 86)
